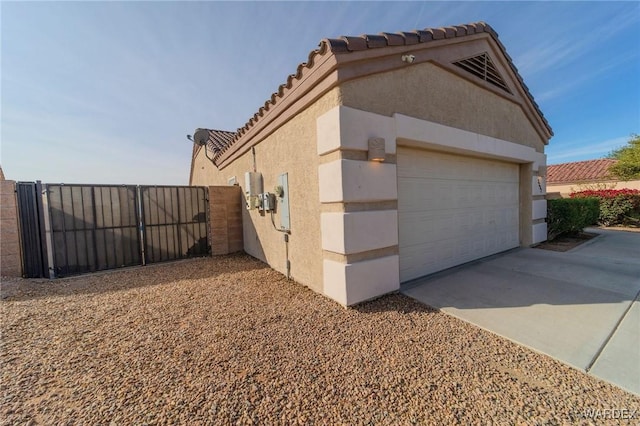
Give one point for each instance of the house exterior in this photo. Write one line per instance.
(402, 155)
(565, 178)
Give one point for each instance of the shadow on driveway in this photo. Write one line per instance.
(575, 306)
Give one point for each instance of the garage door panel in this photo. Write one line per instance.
(439, 225)
(441, 166)
(413, 194)
(460, 225)
(453, 209)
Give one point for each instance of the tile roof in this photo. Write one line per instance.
(580, 171)
(349, 44)
(219, 139)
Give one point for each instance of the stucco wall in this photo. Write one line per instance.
(10, 260)
(566, 189)
(431, 93)
(290, 149)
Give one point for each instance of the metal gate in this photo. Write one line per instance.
(93, 227)
(96, 227)
(174, 222)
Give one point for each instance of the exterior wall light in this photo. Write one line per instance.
(376, 149)
(408, 58)
(542, 171)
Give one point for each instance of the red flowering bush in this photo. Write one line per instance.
(616, 205)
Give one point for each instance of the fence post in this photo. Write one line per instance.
(10, 253)
(44, 252)
(225, 220)
(140, 212)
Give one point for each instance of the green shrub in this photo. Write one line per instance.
(570, 215)
(615, 204)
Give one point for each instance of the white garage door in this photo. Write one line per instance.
(453, 209)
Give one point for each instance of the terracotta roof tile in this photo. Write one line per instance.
(220, 139)
(374, 41)
(424, 36)
(356, 43)
(337, 45)
(410, 38)
(438, 33)
(394, 39)
(461, 30)
(348, 44)
(580, 171)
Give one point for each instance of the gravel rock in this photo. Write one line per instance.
(228, 340)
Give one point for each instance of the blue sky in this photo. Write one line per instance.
(106, 92)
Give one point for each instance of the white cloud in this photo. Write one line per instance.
(576, 151)
(586, 76)
(555, 50)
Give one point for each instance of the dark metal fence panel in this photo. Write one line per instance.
(93, 227)
(175, 222)
(34, 254)
(117, 236)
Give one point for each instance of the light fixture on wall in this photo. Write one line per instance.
(408, 58)
(542, 171)
(376, 149)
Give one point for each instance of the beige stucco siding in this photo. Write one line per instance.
(290, 149)
(429, 92)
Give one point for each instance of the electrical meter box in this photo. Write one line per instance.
(268, 201)
(282, 192)
(252, 189)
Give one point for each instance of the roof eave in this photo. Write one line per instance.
(332, 56)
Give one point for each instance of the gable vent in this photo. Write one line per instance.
(481, 66)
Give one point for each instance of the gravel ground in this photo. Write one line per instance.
(228, 340)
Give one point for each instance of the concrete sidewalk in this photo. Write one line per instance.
(580, 307)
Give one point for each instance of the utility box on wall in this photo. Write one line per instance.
(252, 189)
(282, 192)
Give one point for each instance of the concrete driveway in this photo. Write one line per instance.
(580, 307)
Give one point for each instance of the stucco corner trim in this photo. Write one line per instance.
(357, 232)
(348, 128)
(539, 209)
(357, 181)
(352, 283)
(422, 133)
(539, 232)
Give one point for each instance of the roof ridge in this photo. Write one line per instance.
(349, 44)
(583, 161)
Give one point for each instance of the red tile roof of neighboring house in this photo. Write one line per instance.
(580, 171)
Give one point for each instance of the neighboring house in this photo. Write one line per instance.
(405, 154)
(565, 178)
